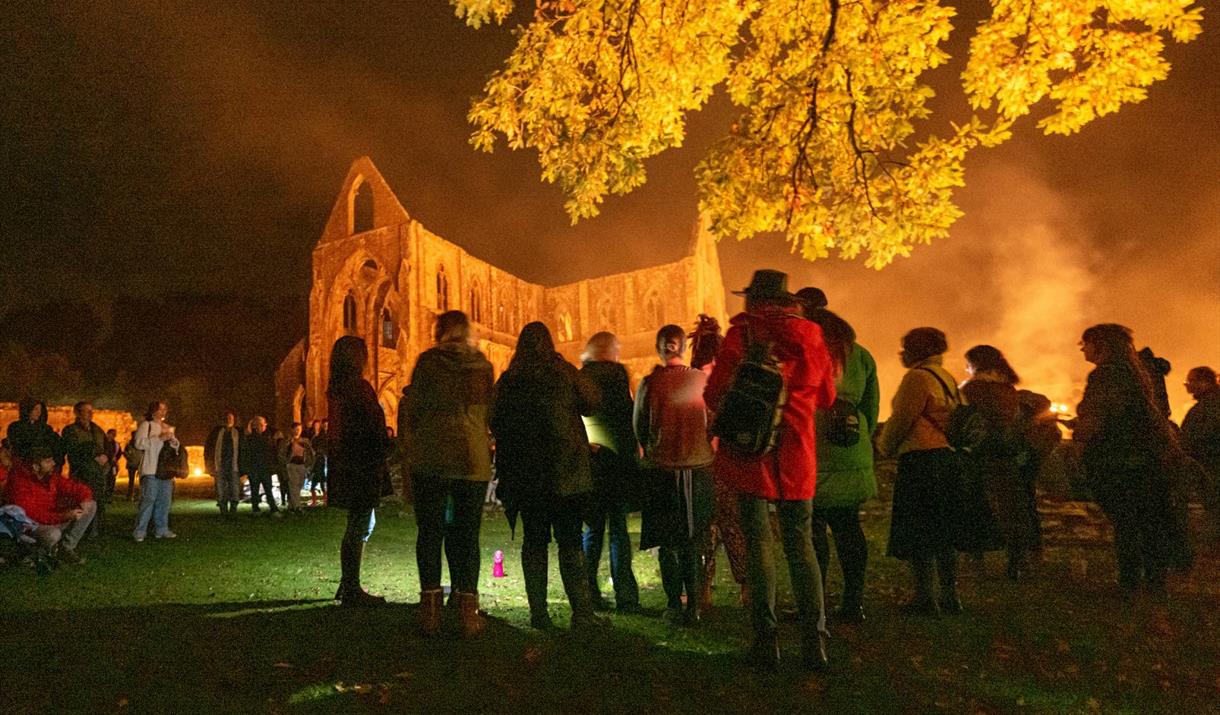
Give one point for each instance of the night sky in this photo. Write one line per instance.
(154, 147)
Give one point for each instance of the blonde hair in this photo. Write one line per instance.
(602, 346)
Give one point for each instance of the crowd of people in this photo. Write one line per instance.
(767, 430)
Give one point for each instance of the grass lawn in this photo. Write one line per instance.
(236, 616)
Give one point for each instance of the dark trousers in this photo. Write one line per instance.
(626, 590)
(132, 479)
(262, 481)
(850, 546)
(459, 537)
(561, 518)
(795, 522)
(1136, 502)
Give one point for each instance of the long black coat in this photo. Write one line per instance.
(541, 448)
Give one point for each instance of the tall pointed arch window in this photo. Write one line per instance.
(442, 290)
(362, 208)
(476, 303)
(349, 314)
(389, 331)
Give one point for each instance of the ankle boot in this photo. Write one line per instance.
(924, 604)
(946, 564)
(473, 623)
(576, 586)
(534, 569)
(430, 611)
(813, 650)
(764, 652)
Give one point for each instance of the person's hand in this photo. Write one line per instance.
(101, 459)
(74, 514)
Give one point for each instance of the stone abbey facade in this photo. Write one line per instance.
(379, 274)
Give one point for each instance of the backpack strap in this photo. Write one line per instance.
(954, 397)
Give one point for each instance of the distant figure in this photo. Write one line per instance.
(258, 461)
(63, 508)
(927, 510)
(445, 420)
(1201, 436)
(156, 494)
(31, 430)
(1126, 437)
(671, 422)
(613, 464)
(317, 478)
(542, 464)
(113, 454)
(705, 341)
(845, 454)
(296, 454)
(1157, 369)
(786, 474)
(357, 453)
(995, 460)
(133, 457)
(84, 445)
(222, 455)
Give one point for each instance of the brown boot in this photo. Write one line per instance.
(473, 623)
(430, 611)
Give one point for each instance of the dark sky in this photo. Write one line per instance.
(153, 147)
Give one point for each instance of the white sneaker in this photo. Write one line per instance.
(167, 535)
(138, 537)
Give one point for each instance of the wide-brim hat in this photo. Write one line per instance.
(767, 283)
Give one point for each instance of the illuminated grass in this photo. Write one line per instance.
(238, 616)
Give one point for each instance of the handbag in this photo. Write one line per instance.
(172, 462)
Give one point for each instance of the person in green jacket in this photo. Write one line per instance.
(445, 435)
(845, 455)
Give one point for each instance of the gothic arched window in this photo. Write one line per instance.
(442, 290)
(349, 313)
(389, 331)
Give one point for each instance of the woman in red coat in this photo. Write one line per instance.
(786, 473)
(358, 447)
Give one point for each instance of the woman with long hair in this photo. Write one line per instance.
(1126, 441)
(846, 478)
(994, 461)
(357, 469)
(542, 464)
(444, 421)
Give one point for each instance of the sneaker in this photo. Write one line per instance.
(167, 535)
(138, 537)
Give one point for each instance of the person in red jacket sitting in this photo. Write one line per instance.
(63, 508)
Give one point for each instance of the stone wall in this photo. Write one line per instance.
(60, 416)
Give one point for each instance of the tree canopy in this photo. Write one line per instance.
(833, 146)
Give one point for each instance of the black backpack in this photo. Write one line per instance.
(749, 416)
(840, 423)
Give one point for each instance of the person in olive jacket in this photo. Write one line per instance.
(542, 465)
(358, 447)
(614, 464)
(444, 433)
(845, 471)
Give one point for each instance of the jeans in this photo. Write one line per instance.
(459, 538)
(852, 549)
(228, 486)
(50, 535)
(155, 498)
(264, 481)
(626, 590)
(795, 525)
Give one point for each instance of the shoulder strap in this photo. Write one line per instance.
(953, 397)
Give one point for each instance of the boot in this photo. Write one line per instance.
(576, 586)
(350, 593)
(534, 568)
(764, 652)
(473, 623)
(946, 564)
(923, 604)
(430, 611)
(813, 651)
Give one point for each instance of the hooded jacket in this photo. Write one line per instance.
(24, 435)
(845, 474)
(444, 416)
(789, 470)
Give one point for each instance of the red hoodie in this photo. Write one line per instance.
(810, 379)
(45, 503)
